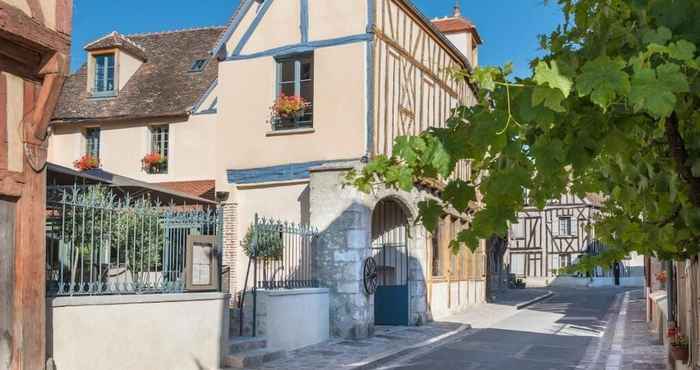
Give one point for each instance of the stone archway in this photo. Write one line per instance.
(389, 247)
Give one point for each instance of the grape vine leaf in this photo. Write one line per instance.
(603, 79)
(549, 74)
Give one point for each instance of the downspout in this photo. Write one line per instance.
(670, 294)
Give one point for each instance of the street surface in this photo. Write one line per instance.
(575, 329)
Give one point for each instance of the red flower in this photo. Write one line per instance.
(152, 159)
(86, 162)
(287, 106)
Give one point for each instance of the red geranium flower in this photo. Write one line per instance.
(86, 162)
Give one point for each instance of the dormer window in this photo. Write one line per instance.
(198, 65)
(104, 75)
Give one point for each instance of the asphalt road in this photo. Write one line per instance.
(551, 335)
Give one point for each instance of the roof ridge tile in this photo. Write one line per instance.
(203, 28)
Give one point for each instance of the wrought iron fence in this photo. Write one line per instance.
(283, 253)
(281, 256)
(100, 243)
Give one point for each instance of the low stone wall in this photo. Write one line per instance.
(294, 318)
(461, 295)
(137, 332)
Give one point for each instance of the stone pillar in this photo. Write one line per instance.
(417, 266)
(230, 248)
(344, 223)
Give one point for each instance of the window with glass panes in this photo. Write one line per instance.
(295, 78)
(160, 137)
(565, 226)
(92, 142)
(104, 74)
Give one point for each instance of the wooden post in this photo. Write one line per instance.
(34, 46)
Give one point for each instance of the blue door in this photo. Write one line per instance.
(390, 252)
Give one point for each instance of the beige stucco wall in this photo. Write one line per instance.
(127, 65)
(279, 26)
(144, 332)
(454, 297)
(463, 42)
(247, 90)
(123, 145)
(325, 16)
(294, 318)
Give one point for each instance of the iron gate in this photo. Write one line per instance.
(390, 252)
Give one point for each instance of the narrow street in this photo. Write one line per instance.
(575, 329)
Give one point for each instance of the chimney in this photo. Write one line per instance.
(457, 9)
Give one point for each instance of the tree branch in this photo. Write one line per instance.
(680, 157)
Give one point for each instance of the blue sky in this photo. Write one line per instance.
(509, 27)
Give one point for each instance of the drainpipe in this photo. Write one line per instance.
(670, 296)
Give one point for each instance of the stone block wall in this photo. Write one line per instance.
(344, 217)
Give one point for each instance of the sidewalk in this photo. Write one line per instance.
(627, 344)
(389, 342)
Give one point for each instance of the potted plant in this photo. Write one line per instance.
(661, 277)
(288, 107)
(679, 348)
(86, 162)
(153, 162)
(264, 242)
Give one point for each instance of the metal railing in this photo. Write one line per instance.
(281, 256)
(99, 243)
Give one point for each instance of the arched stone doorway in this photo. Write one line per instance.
(390, 238)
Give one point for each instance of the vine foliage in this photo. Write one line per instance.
(611, 108)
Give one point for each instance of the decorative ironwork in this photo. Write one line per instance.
(99, 243)
(369, 275)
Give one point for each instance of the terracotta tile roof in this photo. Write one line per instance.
(203, 188)
(162, 87)
(456, 24)
(117, 40)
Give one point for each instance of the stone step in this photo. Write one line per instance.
(242, 344)
(252, 359)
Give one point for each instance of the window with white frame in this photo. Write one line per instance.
(295, 92)
(104, 75)
(566, 226)
(92, 142)
(518, 229)
(160, 138)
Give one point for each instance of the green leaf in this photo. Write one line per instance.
(671, 77)
(485, 77)
(551, 98)
(653, 90)
(429, 214)
(549, 74)
(660, 36)
(603, 79)
(682, 50)
(459, 194)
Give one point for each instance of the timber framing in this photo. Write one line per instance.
(19, 27)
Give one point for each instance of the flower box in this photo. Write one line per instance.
(679, 348)
(86, 162)
(154, 163)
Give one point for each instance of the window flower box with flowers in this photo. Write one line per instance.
(86, 162)
(291, 112)
(155, 163)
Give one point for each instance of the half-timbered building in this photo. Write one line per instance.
(367, 71)
(34, 52)
(544, 241)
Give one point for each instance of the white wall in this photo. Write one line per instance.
(142, 332)
(294, 318)
(461, 295)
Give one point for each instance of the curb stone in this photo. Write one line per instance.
(520, 306)
(388, 356)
